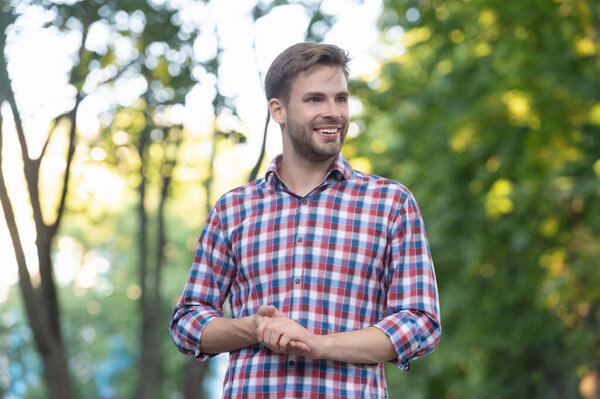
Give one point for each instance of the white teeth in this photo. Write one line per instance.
(328, 130)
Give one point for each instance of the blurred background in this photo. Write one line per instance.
(122, 122)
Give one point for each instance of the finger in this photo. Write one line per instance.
(263, 310)
(300, 346)
(271, 311)
(276, 312)
(272, 341)
(268, 332)
(296, 350)
(284, 342)
(266, 336)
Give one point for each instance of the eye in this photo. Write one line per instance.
(313, 99)
(342, 99)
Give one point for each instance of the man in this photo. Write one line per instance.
(327, 269)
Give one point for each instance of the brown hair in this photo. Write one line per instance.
(298, 58)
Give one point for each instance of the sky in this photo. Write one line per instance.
(42, 93)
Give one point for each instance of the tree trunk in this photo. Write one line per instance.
(149, 380)
(56, 366)
(56, 373)
(193, 378)
(49, 295)
(149, 348)
(43, 323)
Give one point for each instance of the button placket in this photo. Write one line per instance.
(302, 216)
(302, 219)
(290, 378)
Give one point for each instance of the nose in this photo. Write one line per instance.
(331, 109)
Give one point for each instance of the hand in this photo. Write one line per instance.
(279, 333)
(263, 312)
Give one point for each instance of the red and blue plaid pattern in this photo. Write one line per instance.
(351, 254)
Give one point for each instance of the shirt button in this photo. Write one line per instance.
(292, 363)
(297, 281)
(304, 202)
(300, 239)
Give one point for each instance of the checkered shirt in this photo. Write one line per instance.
(351, 254)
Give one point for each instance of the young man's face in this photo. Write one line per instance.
(316, 114)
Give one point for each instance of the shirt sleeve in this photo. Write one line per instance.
(206, 289)
(413, 319)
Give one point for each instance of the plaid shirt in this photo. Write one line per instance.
(351, 254)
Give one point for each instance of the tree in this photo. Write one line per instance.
(159, 49)
(488, 111)
(41, 302)
(48, 331)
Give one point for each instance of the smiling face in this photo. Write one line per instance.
(315, 118)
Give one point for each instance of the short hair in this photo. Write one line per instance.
(298, 58)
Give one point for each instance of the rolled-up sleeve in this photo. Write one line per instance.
(413, 318)
(206, 289)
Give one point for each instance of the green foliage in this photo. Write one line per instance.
(102, 322)
(490, 117)
(138, 143)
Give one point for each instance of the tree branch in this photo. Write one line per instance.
(51, 131)
(261, 156)
(70, 154)
(18, 125)
(167, 176)
(72, 115)
(32, 308)
(113, 78)
(142, 147)
(30, 167)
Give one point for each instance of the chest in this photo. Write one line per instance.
(343, 236)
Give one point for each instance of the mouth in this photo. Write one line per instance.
(328, 131)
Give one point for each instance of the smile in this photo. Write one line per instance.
(328, 130)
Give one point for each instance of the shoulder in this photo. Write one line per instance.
(238, 201)
(392, 198)
(380, 186)
(248, 190)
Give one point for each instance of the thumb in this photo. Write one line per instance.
(275, 311)
(268, 311)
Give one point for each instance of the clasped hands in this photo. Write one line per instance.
(282, 334)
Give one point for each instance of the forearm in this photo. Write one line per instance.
(368, 345)
(286, 336)
(226, 335)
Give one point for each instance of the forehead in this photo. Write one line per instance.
(320, 78)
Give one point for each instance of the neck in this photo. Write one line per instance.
(301, 176)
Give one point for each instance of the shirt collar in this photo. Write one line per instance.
(339, 167)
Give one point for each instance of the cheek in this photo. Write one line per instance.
(344, 110)
(305, 117)
(345, 116)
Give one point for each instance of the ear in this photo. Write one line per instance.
(277, 109)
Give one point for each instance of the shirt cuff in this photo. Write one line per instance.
(404, 338)
(187, 331)
(198, 354)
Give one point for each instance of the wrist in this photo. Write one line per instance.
(321, 346)
(247, 325)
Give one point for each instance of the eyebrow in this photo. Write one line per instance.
(321, 94)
